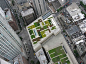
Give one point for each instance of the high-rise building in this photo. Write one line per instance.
(11, 19)
(10, 44)
(39, 6)
(3, 61)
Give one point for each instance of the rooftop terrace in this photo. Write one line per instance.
(58, 55)
(41, 29)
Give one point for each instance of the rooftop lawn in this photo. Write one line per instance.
(58, 55)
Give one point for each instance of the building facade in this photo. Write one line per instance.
(39, 6)
(28, 15)
(3, 61)
(20, 60)
(11, 20)
(10, 44)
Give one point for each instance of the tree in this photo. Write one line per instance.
(63, 30)
(76, 53)
(13, 2)
(37, 62)
(21, 38)
(57, 10)
(81, 3)
(32, 62)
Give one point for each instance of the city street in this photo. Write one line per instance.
(25, 36)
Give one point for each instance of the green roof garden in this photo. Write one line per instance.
(40, 28)
(58, 55)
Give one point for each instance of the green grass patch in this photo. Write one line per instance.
(56, 59)
(45, 27)
(51, 51)
(38, 27)
(50, 22)
(54, 27)
(32, 36)
(31, 27)
(43, 34)
(31, 32)
(59, 52)
(42, 23)
(58, 63)
(52, 55)
(65, 60)
(36, 24)
(47, 23)
(46, 30)
(68, 62)
(40, 35)
(62, 56)
(35, 43)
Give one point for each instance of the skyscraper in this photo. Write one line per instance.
(10, 44)
(39, 6)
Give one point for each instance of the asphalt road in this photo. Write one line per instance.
(25, 36)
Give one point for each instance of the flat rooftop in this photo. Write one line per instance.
(82, 26)
(21, 1)
(58, 55)
(56, 4)
(63, 2)
(40, 30)
(27, 12)
(75, 12)
(73, 30)
(8, 15)
(41, 56)
(56, 42)
(73, 9)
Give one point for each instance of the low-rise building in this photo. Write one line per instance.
(82, 26)
(26, 11)
(81, 48)
(22, 5)
(56, 4)
(48, 42)
(74, 32)
(75, 12)
(80, 44)
(28, 15)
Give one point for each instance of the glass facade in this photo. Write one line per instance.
(10, 44)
